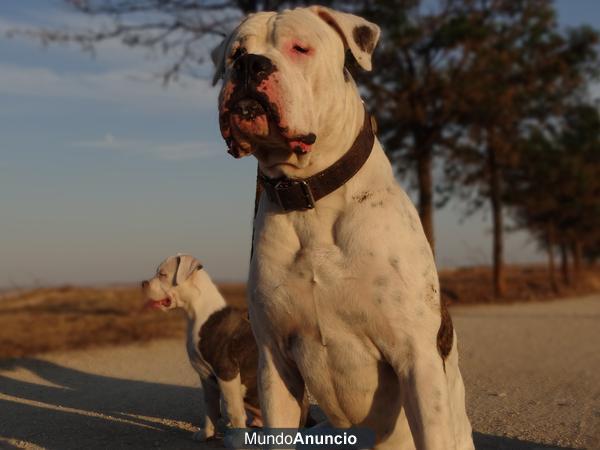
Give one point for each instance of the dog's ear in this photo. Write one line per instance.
(187, 265)
(218, 56)
(358, 35)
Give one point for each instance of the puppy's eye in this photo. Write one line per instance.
(162, 275)
(301, 49)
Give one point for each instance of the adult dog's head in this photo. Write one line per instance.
(175, 281)
(286, 92)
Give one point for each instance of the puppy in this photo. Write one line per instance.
(220, 343)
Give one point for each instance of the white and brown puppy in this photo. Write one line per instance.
(220, 343)
(343, 289)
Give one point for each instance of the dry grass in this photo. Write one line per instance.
(523, 283)
(51, 319)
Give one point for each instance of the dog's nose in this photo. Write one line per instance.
(252, 68)
(145, 284)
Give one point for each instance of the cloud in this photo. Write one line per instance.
(111, 52)
(126, 87)
(119, 74)
(170, 151)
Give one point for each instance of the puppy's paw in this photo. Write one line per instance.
(222, 425)
(204, 434)
(254, 422)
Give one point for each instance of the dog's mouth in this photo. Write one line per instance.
(250, 121)
(249, 109)
(162, 303)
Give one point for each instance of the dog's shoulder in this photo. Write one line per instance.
(227, 342)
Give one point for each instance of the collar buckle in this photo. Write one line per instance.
(285, 184)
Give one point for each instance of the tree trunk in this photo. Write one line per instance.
(576, 249)
(550, 241)
(424, 163)
(496, 204)
(564, 263)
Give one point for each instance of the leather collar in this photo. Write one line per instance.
(302, 194)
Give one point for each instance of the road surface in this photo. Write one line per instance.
(532, 374)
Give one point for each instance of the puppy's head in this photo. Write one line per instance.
(285, 85)
(173, 283)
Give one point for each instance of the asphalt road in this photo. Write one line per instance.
(532, 374)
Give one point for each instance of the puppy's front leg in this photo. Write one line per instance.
(234, 400)
(281, 391)
(210, 393)
(427, 402)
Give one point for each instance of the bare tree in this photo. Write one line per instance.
(520, 68)
(182, 31)
(412, 90)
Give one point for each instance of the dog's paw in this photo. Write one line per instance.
(203, 434)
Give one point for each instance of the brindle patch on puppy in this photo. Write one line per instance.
(228, 345)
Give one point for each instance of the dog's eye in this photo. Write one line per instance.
(301, 49)
(162, 275)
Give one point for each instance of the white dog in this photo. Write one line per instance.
(344, 293)
(220, 343)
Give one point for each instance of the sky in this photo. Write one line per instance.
(104, 172)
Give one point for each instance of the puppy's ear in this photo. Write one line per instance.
(218, 56)
(358, 35)
(187, 265)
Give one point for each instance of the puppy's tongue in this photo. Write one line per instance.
(166, 302)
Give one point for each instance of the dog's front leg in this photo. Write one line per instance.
(427, 402)
(281, 391)
(234, 401)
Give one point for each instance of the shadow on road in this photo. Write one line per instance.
(490, 442)
(84, 410)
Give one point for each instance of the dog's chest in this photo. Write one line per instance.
(314, 286)
(359, 267)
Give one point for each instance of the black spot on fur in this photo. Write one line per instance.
(445, 334)
(362, 196)
(364, 38)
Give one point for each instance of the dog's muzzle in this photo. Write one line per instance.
(250, 70)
